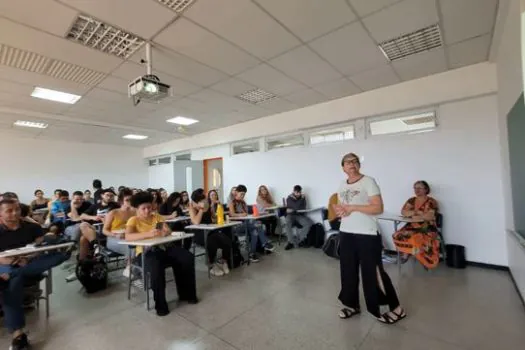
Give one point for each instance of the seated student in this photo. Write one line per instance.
(265, 200)
(172, 208)
(296, 201)
(115, 225)
(333, 219)
(59, 210)
(97, 186)
(95, 214)
(144, 226)
(163, 194)
(88, 198)
(201, 212)
(238, 207)
(78, 207)
(420, 239)
(16, 233)
(213, 202)
(157, 200)
(185, 201)
(40, 202)
(26, 213)
(231, 196)
(56, 197)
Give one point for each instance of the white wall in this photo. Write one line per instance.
(219, 151)
(460, 160)
(28, 164)
(162, 176)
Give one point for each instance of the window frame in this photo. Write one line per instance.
(328, 128)
(407, 114)
(284, 136)
(243, 144)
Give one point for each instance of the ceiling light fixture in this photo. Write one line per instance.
(182, 121)
(54, 95)
(256, 96)
(134, 137)
(421, 40)
(27, 124)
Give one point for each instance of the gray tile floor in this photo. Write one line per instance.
(289, 301)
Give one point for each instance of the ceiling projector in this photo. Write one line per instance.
(148, 88)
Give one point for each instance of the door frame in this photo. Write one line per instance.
(205, 169)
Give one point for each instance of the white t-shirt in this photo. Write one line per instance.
(359, 193)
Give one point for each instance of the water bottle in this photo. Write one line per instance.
(220, 214)
(255, 210)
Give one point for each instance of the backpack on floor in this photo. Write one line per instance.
(331, 246)
(316, 235)
(93, 274)
(238, 259)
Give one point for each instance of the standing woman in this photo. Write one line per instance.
(360, 245)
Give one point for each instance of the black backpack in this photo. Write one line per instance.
(331, 246)
(238, 259)
(93, 274)
(316, 235)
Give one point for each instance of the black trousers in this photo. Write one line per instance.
(183, 264)
(271, 225)
(364, 250)
(216, 239)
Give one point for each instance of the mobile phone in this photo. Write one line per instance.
(159, 225)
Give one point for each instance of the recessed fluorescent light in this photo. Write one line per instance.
(134, 137)
(182, 121)
(53, 95)
(27, 124)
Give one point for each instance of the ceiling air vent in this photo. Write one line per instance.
(178, 6)
(409, 44)
(104, 37)
(256, 96)
(22, 59)
(419, 119)
(36, 63)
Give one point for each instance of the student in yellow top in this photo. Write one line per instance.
(115, 224)
(144, 226)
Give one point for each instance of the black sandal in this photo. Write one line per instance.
(348, 313)
(400, 315)
(387, 318)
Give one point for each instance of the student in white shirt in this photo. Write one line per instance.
(360, 245)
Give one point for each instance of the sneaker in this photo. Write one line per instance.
(269, 247)
(254, 258)
(225, 268)
(20, 343)
(216, 271)
(289, 246)
(127, 272)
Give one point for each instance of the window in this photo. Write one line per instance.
(403, 124)
(246, 147)
(284, 141)
(165, 160)
(185, 156)
(152, 162)
(334, 134)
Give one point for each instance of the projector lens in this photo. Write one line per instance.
(151, 88)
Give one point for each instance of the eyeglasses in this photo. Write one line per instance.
(353, 161)
(419, 188)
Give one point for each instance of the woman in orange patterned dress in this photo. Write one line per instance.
(420, 239)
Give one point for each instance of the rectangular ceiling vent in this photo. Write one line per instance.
(256, 96)
(104, 37)
(178, 6)
(22, 59)
(420, 119)
(412, 43)
(36, 63)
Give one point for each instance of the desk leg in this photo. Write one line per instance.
(248, 240)
(144, 277)
(49, 289)
(130, 273)
(206, 251)
(396, 225)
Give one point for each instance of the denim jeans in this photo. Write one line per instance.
(13, 295)
(256, 230)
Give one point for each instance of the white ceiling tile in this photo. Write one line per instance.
(265, 77)
(218, 100)
(108, 96)
(402, 18)
(309, 19)
(366, 7)
(15, 88)
(421, 64)
(130, 15)
(191, 40)
(306, 98)
(54, 47)
(30, 103)
(305, 66)
(129, 70)
(337, 89)
(232, 87)
(30, 12)
(262, 36)
(467, 18)
(114, 84)
(278, 105)
(469, 52)
(375, 78)
(350, 49)
(179, 66)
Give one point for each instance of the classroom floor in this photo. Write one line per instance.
(289, 301)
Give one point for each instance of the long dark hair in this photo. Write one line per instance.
(187, 202)
(172, 199)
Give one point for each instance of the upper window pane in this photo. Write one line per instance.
(285, 141)
(338, 134)
(246, 147)
(416, 122)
